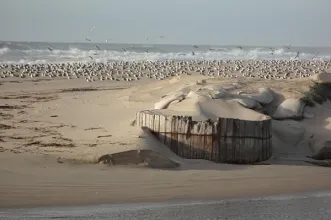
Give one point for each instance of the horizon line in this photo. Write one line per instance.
(148, 43)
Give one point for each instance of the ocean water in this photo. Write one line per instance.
(313, 206)
(37, 52)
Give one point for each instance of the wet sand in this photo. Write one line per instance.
(294, 207)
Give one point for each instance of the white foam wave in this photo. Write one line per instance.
(4, 50)
(77, 55)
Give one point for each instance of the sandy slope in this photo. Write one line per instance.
(49, 122)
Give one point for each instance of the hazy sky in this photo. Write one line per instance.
(222, 22)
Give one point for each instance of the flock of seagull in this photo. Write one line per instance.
(160, 70)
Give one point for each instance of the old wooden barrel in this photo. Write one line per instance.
(226, 140)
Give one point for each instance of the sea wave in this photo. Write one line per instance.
(132, 54)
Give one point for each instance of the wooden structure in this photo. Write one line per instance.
(226, 140)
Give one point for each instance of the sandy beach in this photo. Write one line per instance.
(55, 131)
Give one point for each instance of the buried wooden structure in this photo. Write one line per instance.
(226, 140)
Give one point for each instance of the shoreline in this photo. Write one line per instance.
(186, 201)
(56, 184)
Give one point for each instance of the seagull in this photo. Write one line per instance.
(297, 56)
(288, 47)
(182, 54)
(193, 53)
(272, 50)
(146, 51)
(107, 40)
(91, 57)
(50, 49)
(123, 49)
(97, 47)
(195, 46)
(211, 49)
(87, 39)
(240, 47)
(23, 58)
(316, 54)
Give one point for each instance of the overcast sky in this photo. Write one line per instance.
(222, 22)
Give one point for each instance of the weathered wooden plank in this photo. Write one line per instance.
(251, 141)
(181, 137)
(162, 128)
(193, 139)
(156, 126)
(242, 150)
(167, 134)
(269, 143)
(216, 142)
(229, 139)
(236, 141)
(147, 120)
(187, 137)
(174, 134)
(208, 140)
(257, 150)
(141, 119)
(264, 140)
(151, 122)
(202, 138)
(197, 141)
(222, 141)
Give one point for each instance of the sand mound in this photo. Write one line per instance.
(145, 157)
(152, 154)
(264, 96)
(213, 101)
(321, 78)
(290, 109)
